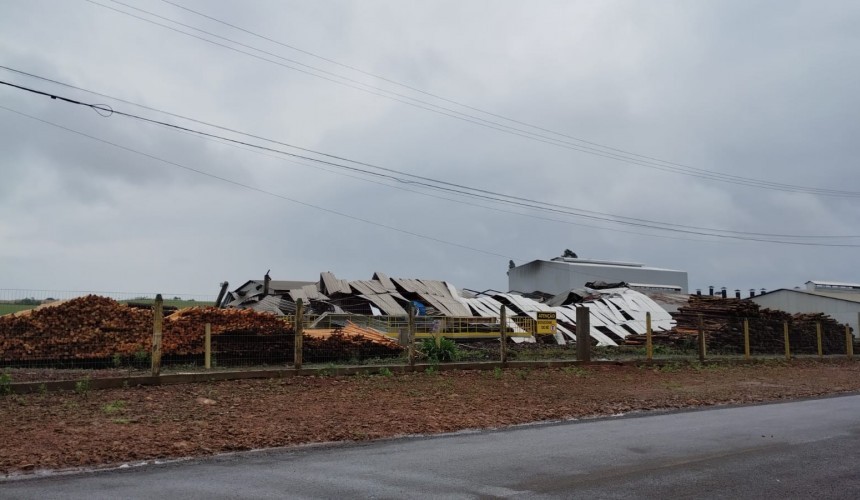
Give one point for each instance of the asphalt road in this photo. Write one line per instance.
(806, 449)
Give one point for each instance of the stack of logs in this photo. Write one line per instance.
(722, 321)
(101, 329)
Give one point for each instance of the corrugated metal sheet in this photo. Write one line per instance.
(386, 303)
(268, 304)
(385, 281)
(330, 285)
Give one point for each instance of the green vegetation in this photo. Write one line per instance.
(497, 373)
(385, 371)
(6, 308)
(82, 387)
(440, 349)
(141, 357)
(174, 302)
(577, 371)
(113, 407)
(5, 384)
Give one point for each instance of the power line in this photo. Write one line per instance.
(256, 189)
(103, 109)
(445, 198)
(607, 152)
(563, 208)
(415, 89)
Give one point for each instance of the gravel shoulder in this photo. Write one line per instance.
(110, 427)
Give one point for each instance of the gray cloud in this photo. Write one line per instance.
(757, 89)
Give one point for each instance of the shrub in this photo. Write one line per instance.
(5, 384)
(440, 349)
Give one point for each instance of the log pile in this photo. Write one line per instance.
(82, 328)
(346, 343)
(233, 331)
(722, 321)
(94, 328)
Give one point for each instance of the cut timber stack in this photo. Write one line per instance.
(350, 342)
(236, 333)
(722, 321)
(88, 327)
(101, 330)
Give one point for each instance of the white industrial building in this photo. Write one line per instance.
(567, 273)
(840, 301)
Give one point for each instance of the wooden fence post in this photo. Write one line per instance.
(746, 338)
(157, 326)
(299, 332)
(583, 334)
(411, 336)
(849, 343)
(207, 345)
(702, 342)
(785, 337)
(649, 345)
(503, 336)
(818, 338)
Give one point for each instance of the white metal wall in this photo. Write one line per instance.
(797, 302)
(556, 277)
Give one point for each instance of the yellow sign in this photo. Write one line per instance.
(546, 323)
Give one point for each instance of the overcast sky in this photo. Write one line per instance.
(763, 90)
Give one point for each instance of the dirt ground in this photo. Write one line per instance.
(110, 427)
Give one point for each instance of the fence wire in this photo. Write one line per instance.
(88, 336)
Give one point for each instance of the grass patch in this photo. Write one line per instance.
(113, 407)
(82, 387)
(13, 308)
(576, 371)
(5, 384)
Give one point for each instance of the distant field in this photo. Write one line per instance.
(172, 303)
(13, 308)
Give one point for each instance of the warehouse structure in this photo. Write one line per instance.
(560, 274)
(841, 301)
(616, 312)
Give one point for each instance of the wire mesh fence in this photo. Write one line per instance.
(94, 336)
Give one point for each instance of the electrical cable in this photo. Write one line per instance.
(415, 89)
(259, 190)
(612, 153)
(530, 203)
(177, 127)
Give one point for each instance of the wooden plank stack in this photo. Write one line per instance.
(722, 321)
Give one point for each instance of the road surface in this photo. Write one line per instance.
(805, 449)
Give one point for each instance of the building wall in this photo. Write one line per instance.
(556, 277)
(798, 302)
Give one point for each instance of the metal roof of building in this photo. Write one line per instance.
(330, 285)
(844, 296)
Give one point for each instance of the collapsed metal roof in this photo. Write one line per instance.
(615, 312)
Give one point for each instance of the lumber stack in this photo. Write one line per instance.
(722, 322)
(234, 331)
(350, 342)
(99, 329)
(82, 328)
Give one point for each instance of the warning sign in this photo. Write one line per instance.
(546, 323)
